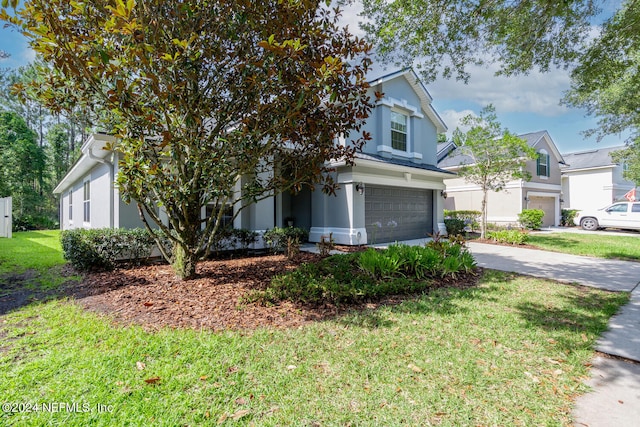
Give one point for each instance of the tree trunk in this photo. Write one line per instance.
(483, 229)
(184, 263)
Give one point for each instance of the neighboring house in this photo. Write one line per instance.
(394, 192)
(542, 191)
(591, 180)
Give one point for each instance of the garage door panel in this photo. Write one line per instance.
(410, 209)
(548, 205)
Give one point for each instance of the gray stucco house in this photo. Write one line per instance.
(542, 191)
(394, 191)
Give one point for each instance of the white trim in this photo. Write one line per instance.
(565, 171)
(341, 236)
(399, 153)
(415, 171)
(542, 186)
(393, 103)
(371, 178)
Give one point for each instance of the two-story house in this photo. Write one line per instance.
(591, 180)
(542, 191)
(394, 191)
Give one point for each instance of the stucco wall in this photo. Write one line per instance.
(100, 202)
(554, 167)
(422, 134)
(588, 189)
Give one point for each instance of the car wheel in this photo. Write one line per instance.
(589, 224)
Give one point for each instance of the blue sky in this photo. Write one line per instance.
(523, 104)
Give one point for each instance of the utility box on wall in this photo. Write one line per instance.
(5, 217)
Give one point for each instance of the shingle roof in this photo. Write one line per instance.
(457, 158)
(590, 158)
(399, 162)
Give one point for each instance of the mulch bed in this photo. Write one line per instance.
(153, 297)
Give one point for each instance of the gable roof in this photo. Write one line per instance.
(534, 139)
(379, 75)
(590, 159)
(456, 157)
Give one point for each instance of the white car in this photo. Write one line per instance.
(618, 215)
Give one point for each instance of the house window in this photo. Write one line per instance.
(87, 201)
(399, 127)
(227, 215)
(71, 205)
(543, 163)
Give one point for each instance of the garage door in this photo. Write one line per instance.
(548, 205)
(394, 213)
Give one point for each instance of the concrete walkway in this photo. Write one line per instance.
(615, 398)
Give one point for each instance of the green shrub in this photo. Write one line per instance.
(454, 226)
(470, 218)
(370, 274)
(233, 238)
(512, 237)
(285, 239)
(567, 216)
(88, 249)
(531, 219)
(34, 222)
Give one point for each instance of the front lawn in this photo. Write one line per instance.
(512, 351)
(31, 268)
(37, 250)
(596, 245)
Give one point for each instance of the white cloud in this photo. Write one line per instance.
(350, 17)
(452, 119)
(538, 93)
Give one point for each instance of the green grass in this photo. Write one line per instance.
(596, 245)
(37, 251)
(513, 351)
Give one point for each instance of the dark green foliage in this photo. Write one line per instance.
(34, 222)
(512, 237)
(88, 249)
(531, 219)
(470, 217)
(401, 269)
(454, 226)
(285, 239)
(567, 217)
(232, 239)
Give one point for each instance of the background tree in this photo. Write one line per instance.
(607, 83)
(22, 165)
(206, 97)
(444, 36)
(497, 156)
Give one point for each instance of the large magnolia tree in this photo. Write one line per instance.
(213, 102)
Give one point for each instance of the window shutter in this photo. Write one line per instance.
(538, 164)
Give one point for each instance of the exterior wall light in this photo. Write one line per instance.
(360, 188)
(444, 194)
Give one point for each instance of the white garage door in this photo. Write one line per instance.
(395, 213)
